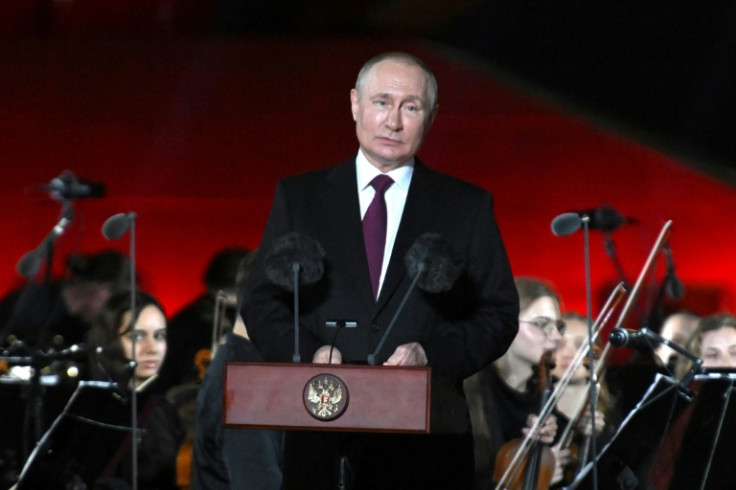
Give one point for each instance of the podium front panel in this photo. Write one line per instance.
(380, 398)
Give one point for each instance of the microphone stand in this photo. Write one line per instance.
(28, 267)
(593, 382)
(117, 233)
(695, 367)
(295, 279)
(134, 391)
(566, 224)
(29, 264)
(420, 270)
(43, 444)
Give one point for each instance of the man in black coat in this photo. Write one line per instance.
(455, 332)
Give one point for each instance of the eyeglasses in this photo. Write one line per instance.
(547, 325)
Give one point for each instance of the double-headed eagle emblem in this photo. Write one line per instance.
(325, 397)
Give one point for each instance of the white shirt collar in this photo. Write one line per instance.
(366, 172)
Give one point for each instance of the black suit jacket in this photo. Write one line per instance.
(461, 330)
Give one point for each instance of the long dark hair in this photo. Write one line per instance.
(109, 361)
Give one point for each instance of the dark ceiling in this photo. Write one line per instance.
(664, 72)
(661, 72)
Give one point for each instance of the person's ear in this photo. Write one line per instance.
(354, 104)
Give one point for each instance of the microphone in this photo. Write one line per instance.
(295, 260)
(67, 186)
(566, 224)
(603, 218)
(295, 249)
(623, 337)
(673, 286)
(117, 225)
(29, 264)
(440, 264)
(434, 266)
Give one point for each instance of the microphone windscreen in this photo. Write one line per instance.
(295, 248)
(442, 266)
(566, 224)
(115, 226)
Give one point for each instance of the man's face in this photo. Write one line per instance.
(392, 114)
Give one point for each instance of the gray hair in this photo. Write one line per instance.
(404, 58)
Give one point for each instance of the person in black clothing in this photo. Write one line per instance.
(59, 313)
(366, 214)
(90, 444)
(505, 397)
(163, 432)
(226, 458)
(38, 319)
(190, 329)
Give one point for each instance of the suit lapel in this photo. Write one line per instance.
(341, 202)
(420, 211)
(342, 205)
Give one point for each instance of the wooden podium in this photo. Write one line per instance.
(327, 397)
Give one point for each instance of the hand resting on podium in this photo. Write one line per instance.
(411, 354)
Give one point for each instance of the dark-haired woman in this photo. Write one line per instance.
(162, 432)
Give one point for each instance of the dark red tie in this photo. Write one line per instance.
(374, 229)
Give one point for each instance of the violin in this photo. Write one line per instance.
(534, 471)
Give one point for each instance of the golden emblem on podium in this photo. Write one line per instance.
(325, 397)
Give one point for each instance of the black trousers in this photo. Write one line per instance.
(357, 461)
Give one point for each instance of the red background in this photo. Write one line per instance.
(193, 134)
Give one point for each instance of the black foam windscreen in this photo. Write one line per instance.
(440, 262)
(295, 248)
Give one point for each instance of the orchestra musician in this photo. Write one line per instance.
(504, 397)
(714, 341)
(163, 432)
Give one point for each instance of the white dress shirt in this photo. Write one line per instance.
(395, 197)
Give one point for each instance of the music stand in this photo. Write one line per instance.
(673, 442)
(80, 442)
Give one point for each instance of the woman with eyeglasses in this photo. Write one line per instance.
(505, 397)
